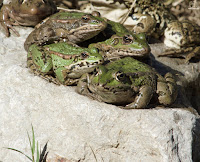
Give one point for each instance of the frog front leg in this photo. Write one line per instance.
(166, 89)
(82, 86)
(142, 99)
(62, 74)
(5, 16)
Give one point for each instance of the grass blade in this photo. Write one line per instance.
(45, 157)
(43, 154)
(33, 144)
(38, 154)
(19, 152)
(30, 143)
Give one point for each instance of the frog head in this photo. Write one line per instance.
(34, 7)
(77, 26)
(72, 62)
(124, 45)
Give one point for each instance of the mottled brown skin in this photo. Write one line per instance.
(71, 26)
(25, 13)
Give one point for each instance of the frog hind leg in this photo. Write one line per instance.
(47, 75)
(142, 99)
(166, 89)
(193, 54)
(5, 16)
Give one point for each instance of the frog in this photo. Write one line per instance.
(160, 17)
(116, 41)
(141, 23)
(25, 13)
(61, 62)
(183, 38)
(119, 46)
(129, 83)
(71, 27)
(153, 18)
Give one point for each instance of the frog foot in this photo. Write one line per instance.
(166, 89)
(82, 86)
(194, 53)
(5, 16)
(142, 99)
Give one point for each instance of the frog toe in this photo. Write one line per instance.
(167, 90)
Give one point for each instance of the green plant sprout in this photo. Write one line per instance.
(41, 156)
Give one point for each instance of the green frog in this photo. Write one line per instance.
(62, 63)
(116, 41)
(129, 83)
(72, 26)
(122, 46)
(184, 39)
(25, 13)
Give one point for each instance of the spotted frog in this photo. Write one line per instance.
(184, 38)
(62, 63)
(74, 27)
(25, 13)
(129, 83)
(153, 18)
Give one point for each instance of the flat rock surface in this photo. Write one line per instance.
(81, 129)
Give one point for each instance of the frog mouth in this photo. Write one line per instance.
(83, 67)
(78, 69)
(120, 52)
(85, 32)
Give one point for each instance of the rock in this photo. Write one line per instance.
(80, 129)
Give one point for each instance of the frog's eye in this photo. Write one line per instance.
(85, 18)
(127, 39)
(84, 55)
(96, 13)
(120, 76)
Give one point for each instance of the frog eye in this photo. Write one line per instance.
(96, 13)
(127, 39)
(120, 76)
(85, 18)
(84, 55)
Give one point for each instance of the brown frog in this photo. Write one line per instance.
(25, 13)
(73, 27)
